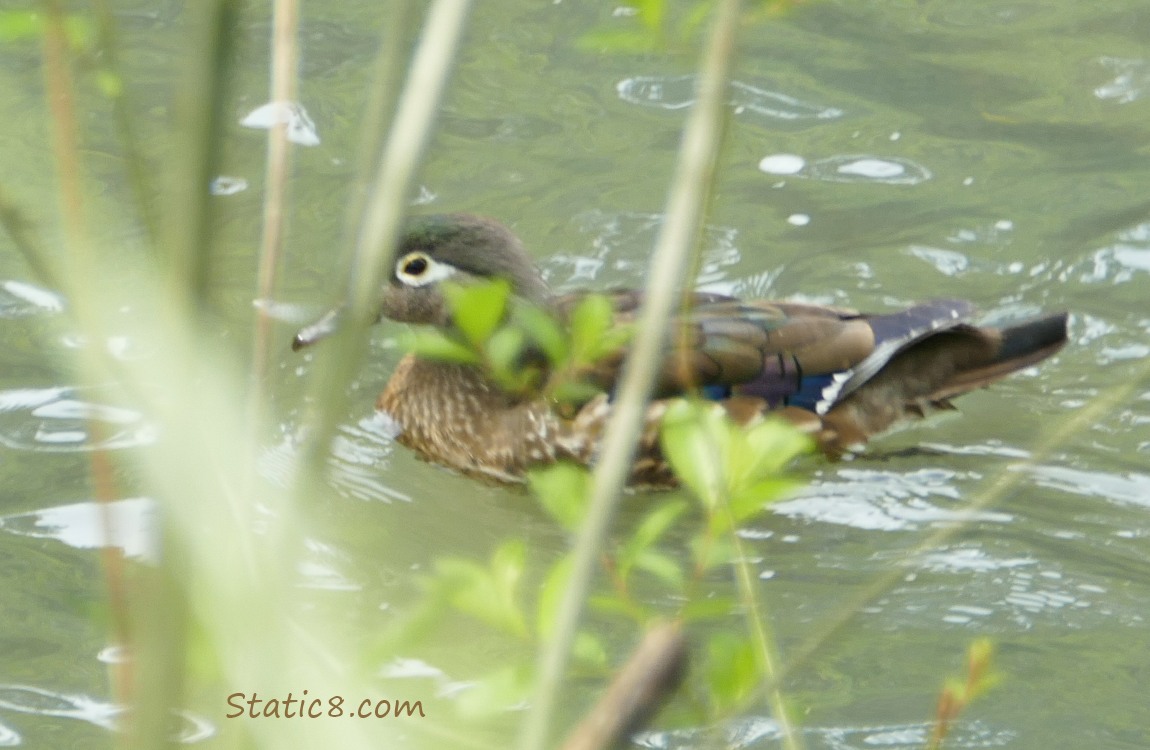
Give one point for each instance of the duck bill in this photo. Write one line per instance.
(321, 329)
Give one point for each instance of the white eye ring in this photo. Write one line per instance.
(419, 269)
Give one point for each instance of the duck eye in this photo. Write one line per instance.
(419, 269)
(415, 266)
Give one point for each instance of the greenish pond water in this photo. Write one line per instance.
(878, 153)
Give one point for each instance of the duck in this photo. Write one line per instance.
(840, 375)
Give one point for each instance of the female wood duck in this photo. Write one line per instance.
(840, 375)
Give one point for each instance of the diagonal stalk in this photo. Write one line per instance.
(1002, 483)
(694, 169)
(385, 205)
(764, 643)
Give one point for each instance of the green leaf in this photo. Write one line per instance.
(507, 564)
(708, 609)
(590, 320)
(550, 596)
(79, 33)
(980, 676)
(110, 84)
(478, 308)
(771, 446)
(413, 626)
(610, 604)
(470, 588)
(20, 25)
(750, 501)
(664, 567)
(431, 344)
(489, 594)
(732, 670)
(694, 441)
(588, 649)
(516, 382)
(542, 329)
(719, 551)
(504, 350)
(23, 25)
(654, 524)
(691, 25)
(573, 392)
(612, 340)
(652, 13)
(562, 490)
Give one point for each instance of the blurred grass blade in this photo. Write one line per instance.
(694, 169)
(388, 192)
(201, 103)
(23, 234)
(140, 178)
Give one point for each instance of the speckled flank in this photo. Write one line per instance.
(452, 416)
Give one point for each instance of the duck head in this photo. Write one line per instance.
(460, 248)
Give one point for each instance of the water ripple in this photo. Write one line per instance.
(27, 699)
(1131, 80)
(989, 16)
(995, 233)
(971, 559)
(129, 524)
(300, 128)
(948, 262)
(226, 185)
(1128, 489)
(616, 235)
(678, 92)
(758, 732)
(972, 585)
(889, 170)
(1119, 262)
(321, 569)
(50, 420)
(358, 452)
(883, 500)
(19, 299)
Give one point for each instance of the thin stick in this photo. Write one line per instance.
(65, 140)
(66, 150)
(650, 676)
(682, 218)
(284, 69)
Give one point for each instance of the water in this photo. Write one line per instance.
(996, 151)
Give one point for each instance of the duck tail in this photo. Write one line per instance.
(1020, 346)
